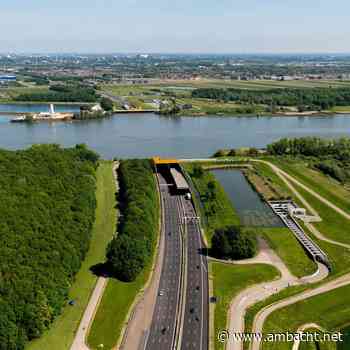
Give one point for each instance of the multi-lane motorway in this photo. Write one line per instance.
(164, 323)
(195, 325)
(180, 318)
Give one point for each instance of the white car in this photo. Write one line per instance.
(161, 293)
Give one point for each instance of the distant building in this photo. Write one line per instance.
(7, 78)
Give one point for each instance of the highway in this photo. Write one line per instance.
(164, 322)
(196, 319)
(181, 315)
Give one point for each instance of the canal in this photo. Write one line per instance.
(145, 135)
(252, 210)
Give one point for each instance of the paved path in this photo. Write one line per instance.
(90, 311)
(264, 313)
(238, 305)
(259, 292)
(339, 282)
(303, 328)
(81, 334)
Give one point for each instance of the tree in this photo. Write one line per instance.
(126, 257)
(233, 243)
(197, 171)
(107, 104)
(211, 193)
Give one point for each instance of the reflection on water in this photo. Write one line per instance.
(146, 135)
(252, 210)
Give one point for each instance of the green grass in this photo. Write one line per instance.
(228, 281)
(284, 243)
(341, 109)
(313, 345)
(113, 309)
(322, 184)
(219, 210)
(345, 345)
(329, 310)
(333, 225)
(61, 334)
(12, 92)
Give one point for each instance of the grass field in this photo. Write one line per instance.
(330, 310)
(228, 281)
(61, 333)
(320, 183)
(7, 94)
(113, 310)
(284, 243)
(110, 317)
(314, 345)
(218, 211)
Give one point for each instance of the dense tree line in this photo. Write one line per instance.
(312, 146)
(233, 243)
(47, 206)
(330, 156)
(61, 93)
(312, 99)
(131, 250)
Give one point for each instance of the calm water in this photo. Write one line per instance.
(145, 135)
(249, 206)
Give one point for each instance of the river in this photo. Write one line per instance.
(145, 135)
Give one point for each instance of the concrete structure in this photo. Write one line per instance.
(284, 210)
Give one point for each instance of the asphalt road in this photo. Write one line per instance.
(161, 334)
(196, 321)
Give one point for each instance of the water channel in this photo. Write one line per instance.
(252, 210)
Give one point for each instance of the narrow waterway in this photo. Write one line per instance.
(252, 210)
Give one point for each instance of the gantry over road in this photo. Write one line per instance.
(180, 318)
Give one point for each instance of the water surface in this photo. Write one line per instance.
(252, 210)
(146, 135)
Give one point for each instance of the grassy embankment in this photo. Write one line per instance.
(113, 309)
(217, 210)
(282, 240)
(61, 333)
(316, 345)
(318, 182)
(329, 310)
(228, 281)
(339, 256)
(332, 224)
(119, 296)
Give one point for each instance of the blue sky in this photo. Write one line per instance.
(244, 26)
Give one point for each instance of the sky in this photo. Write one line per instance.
(184, 26)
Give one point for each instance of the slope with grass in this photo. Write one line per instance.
(330, 310)
(284, 243)
(61, 334)
(217, 209)
(138, 189)
(322, 184)
(228, 281)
